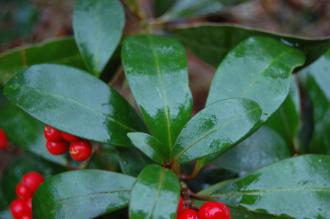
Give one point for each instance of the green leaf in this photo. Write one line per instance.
(259, 69)
(21, 165)
(131, 161)
(106, 158)
(26, 132)
(262, 148)
(75, 102)
(212, 42)
(316, 79)
(196, 8)
(156, 69)
(150, 146)
(98, 26)
(216, 128)
(298, 187)
(286, 120)
(155, 194)
(161, 6)
(51, 51)
(82, 194)
(237, 213)
(2, 97)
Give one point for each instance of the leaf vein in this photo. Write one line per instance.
(74, 102)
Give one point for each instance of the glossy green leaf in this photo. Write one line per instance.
(216, 128)
(262, 148)
(212, 42)
(155, 194)
(21, 165)
(131, 161)
(316, 80)
(259, 69)
(150, 146)
(26, 132)
(98, 26)
(57, 51)
(82, 194)
(75, 102)
(298, 187)
(238, 213)
(156, 69)
(286, 120)
(196, 8)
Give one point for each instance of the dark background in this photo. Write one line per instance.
(28, 21)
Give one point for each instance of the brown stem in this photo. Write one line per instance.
(199, 197)
(167, 165)
(194, 173)
(136, 11)
(83, 165)
(156, 23)
(116, 76)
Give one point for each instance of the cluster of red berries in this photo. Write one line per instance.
(21, 208)
(209, 210)
(4, 143)
(59, 142)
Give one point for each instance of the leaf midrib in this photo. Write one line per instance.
(264, 70)
(160, 185)
(64, 201)
(74, 102)
(164, 93)
(260, 74)
(211, 131)
(278, 190)
(94, 194)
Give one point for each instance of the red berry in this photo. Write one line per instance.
(32, 180)
(22, 191)
(187, 214)
(214, 210)
(18, 208)
(28, 216)
(57, 148)
(70, 138)
(52, 134)
(180, 204)
(3, 140)
(80, 150)
(28, 204)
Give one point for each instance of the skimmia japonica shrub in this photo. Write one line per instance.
(109, 123)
